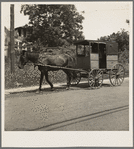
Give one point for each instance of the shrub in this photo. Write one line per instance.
(124, 56)
(29, 76)
(124, 59)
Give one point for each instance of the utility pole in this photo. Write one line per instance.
(12, 52)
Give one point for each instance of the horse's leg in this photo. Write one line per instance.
(68, 79)
(46, 76)
(41, 80)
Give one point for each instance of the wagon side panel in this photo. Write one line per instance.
(83, 62)
(94, 60)
(111, 60)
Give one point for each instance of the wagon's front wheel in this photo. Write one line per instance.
(116, 75)
(95, 79)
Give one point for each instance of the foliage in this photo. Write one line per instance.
(29, 76)
(54, 25)
(121, 37)
(124, 56)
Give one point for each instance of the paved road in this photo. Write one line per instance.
(76, 109)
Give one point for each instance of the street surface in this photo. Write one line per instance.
(77, 109)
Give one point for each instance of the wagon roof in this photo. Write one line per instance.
(86, 42)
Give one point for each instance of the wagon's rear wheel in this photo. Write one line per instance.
(95, 79)
(77, 79)
(116, 75)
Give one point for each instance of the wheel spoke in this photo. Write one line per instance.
(121, 71)
(116, 81)
(91, 83)
(113, 80)
(121, 77)
(119, 81)
(113, 77)
(99, 75)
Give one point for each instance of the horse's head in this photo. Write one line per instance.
(22, 59)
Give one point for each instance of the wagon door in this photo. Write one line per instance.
(83, 57)
(102, 55)
(86, 60)
(112, 54)
(94, 56)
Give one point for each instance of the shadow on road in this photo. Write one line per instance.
(85, 85)
(62, 88)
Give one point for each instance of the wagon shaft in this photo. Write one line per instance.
(66, 68)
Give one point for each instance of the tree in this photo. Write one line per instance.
(121, 37)
(54, 25)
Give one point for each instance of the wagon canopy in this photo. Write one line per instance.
(110, 46)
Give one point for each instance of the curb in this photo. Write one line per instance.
(24, 89)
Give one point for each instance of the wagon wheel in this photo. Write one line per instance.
(77, 79)
(116, 75)
(95, 79)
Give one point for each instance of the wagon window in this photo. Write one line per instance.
(87, 50)
(81, 50)
(94, 48)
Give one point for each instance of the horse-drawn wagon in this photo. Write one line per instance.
(99, 58)
(92, 59)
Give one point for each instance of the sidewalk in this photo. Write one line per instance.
(31, 88)
(24, 89)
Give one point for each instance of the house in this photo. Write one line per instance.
(18, 40)
(19, 35)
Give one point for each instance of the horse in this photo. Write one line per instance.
(41, 59)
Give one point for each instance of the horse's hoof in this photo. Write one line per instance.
(67, 88)
(37, 92)
(52, 89)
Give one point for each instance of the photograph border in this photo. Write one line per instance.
(68, 139)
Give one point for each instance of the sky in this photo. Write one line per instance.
(101, 18)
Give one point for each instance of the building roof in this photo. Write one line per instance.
(23, 27)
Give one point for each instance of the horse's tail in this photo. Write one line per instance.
(71, 60)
